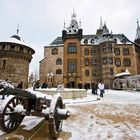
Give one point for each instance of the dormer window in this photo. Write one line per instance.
(92, 41)
(85, 41)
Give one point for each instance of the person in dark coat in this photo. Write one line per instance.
(36, 84)
(44, 85)
(86, 86)
(20, 85)
(93, 87)
(80, 85)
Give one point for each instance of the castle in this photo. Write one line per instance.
(76, 58)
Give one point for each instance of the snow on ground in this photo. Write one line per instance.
(115, 117)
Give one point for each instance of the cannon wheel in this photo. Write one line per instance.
(55, 122)
(9, 118)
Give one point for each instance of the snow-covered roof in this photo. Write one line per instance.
(126, 73)
(14, 39)
(94, 40)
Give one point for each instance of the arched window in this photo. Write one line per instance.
(54, 51)
(58, 71)
(86, 72)
(59, 61)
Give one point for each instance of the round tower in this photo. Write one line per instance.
(15, 57)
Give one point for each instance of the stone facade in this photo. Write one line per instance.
(52, 64)
(88, 58)
(15, 57)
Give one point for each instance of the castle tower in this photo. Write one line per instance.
(72, 52)
(107, 41)
(15, 57)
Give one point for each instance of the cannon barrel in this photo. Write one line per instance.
(21, 103)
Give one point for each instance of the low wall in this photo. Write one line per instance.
(66, 93)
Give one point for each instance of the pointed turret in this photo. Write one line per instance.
(101, 23)
(105, 29)
(137, 38)
(73, 27)
(100, 30)
(73, 30)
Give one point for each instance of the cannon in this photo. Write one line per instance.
(21, 103)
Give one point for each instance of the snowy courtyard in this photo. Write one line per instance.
(115, 117)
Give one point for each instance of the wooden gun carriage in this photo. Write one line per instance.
(21, 103)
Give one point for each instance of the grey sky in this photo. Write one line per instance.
(41, 21)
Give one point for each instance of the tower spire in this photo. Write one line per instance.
(73, 16)
(137, 31)
(101, 23)
(64, 26)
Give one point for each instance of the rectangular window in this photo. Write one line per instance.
(104, 60)
(117, 51)
(110, 60)
(126, 62)
(86, 51)
(125, 51)
(118, 62)
(72, 66)
(93, 51)
(72, 48)
(86, 62)
(93, 62)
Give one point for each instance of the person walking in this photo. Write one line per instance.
(101, 87)
(93, 87)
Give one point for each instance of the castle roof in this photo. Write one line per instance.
(93, 40)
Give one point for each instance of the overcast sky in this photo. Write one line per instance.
(41, 21)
